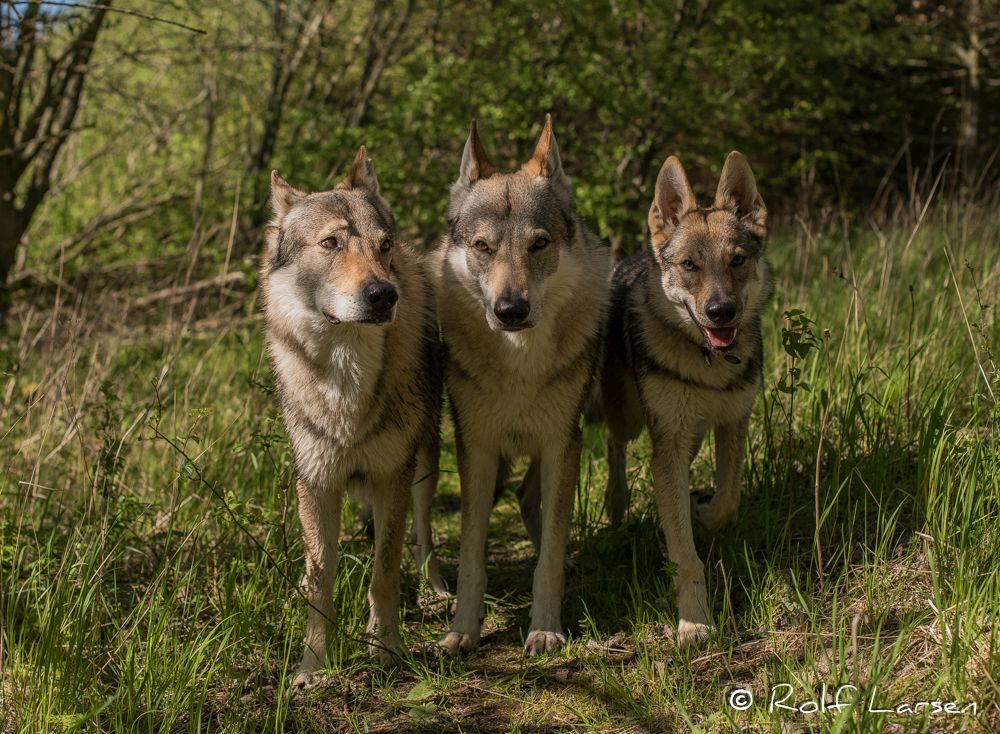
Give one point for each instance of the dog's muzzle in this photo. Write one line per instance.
(380, 296)
(512, 312)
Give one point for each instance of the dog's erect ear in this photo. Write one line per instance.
(545, 160)
(672, 199)
(475, 164)
(738, 193)
(283, 196)
(362, 173)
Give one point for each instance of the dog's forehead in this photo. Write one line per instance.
(361, 210)
(709, 230)
(514, 198)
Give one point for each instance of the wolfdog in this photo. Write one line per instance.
(523, 293)
(359, 377)
(684, 356)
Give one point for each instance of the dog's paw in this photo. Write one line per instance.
(431, 600)
(692, 634)
(439, 587)
(308, 674)
(713, 514)
(455, 643)
(387, 653)
(540, 642)
(304, 680)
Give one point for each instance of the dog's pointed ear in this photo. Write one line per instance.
(738, 193)
(283, 196)
(672, 199)
(475, 164)
(362, 173)
(545, 161)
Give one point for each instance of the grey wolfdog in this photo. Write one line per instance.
(684, 356)
(352, 333)
(523, 293)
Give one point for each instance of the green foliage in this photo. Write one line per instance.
(798, 340)
(833, 103)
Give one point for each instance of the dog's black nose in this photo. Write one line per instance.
(511, 310)
(380, 294)
(721, 310)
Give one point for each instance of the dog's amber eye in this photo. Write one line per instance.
(330, 243)
(689, 265)
(738, 260)
(481, 246)
(540, 244)
(386, 244)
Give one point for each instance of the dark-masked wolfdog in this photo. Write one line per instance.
(684, 356)
(352, 333)
(523, 294)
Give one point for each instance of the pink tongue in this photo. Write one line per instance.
(721, 337)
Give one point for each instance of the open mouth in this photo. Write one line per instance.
(719, 337)
(330, 317)
(716, 337)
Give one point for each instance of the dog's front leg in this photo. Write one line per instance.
(477, 468)
(560, 464)
(319, 514)
(671, 486)
(730, 448)
(389, 505)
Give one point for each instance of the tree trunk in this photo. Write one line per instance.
(968, 130)
(11, 231)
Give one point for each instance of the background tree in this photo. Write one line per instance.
(845, 109)
(44, 62)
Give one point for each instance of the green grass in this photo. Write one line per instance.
(149, 548)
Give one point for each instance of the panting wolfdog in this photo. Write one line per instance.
(684, 356)
(360, 383)
(523, 293)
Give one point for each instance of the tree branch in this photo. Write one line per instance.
(122, 11)
(63, 112)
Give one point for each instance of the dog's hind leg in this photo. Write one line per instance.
(730, 441)
(365, 518)
(624, 414)
(319, 513)
(383, 594)
(424, 486)
(699, 498)
(529, 497)
(617, 495)
(503, 474)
